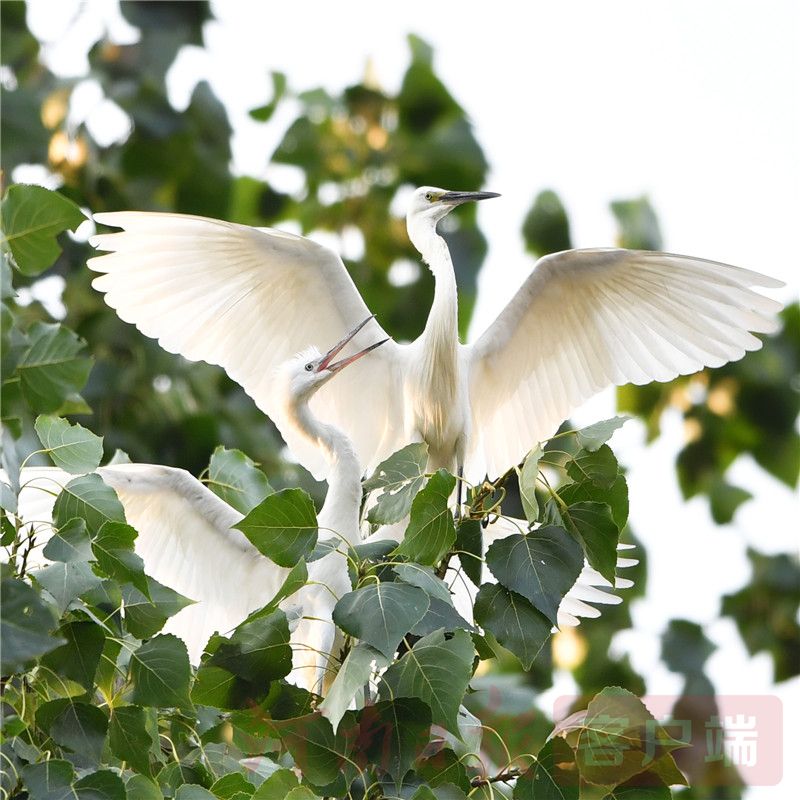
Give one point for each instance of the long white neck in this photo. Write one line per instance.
(341, 508)
(441, 328)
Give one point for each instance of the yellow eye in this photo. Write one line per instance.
(429, 197)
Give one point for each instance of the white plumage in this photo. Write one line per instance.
(583, 320)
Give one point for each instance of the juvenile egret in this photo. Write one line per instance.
(583, 320)
(186, 536)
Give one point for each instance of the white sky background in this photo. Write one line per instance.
(693, 103)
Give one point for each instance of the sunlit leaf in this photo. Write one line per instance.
(88, 498)
(237, 480)
(283, 526)
(398, 478)
(160, 673)
(592, 437)
(431, 531)
(380, 614)
(527, 484)
(32, 218)
(437, 671)
(351, 678)
(71, 447)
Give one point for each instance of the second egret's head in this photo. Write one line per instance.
(431, 203)
(309, 370)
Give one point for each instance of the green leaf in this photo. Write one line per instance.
(71, 447)
(553, 776)
(394, 733)
(145, 616)
(25, 625)
(351, 678)
(193, 791)
(546, 226)
(88, 498)
(513, 621)
(32, 218)
(70, 543)
(214, 687)
(130, 739)
(541, 566)
(381, 614)
(79, 657)
(295, 580)
(431, 531)
(443, 767)
(638, 224)
(67, 581)
(469, 544)
(237, 480)
(436, 671)
(51, 370)
(8, 498)
(104, 784)
(527, 484)
(599, 466)
(592, 437)
(424, 578)
(143, 788)
(77, 726)
(440, 615)
(315, 748)
(233, 786)
(258, 650)
(599, 533)
(615, 497)
(113, 549)
(283, 526)
(277, 786)
(161, 673)
(725, 499)
(399, 478)
(50, 780)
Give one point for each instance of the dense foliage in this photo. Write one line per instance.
(98, 703)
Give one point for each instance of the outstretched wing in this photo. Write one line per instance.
(185, 540)
(587, 319)
(248, 299)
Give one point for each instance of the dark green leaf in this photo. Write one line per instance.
(725, 500)
(469, 544)
(77, 726)
(101, 785)
(541, 566)
(145, 617)
(79, 657)
(440, 615)
(615, 497)
(25, 625)
(553, 776)
(424, 578)
(214, 686)
(399, 478)
(71, 447)
(546, 227)
(161, 673)
(351, 678)
(443, 767)
(381, 614)
(67, 581)
(32, 218)
(70, 543)
(143, 788)
(51, 370)
(233, 786)
(599, 466)
(113, 549)
(258, 650)
(528, 476)
(436, 671)
(50, 780)
(393, 733)
(599, 533)
(88, 498)
(431, 531)
(592, 437)
(193, 791)
(130, 739)
(277, 785)
(513, 621)
(283, 526)
(237, 480)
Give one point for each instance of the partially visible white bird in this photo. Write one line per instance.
(240, 297)
(187, 540)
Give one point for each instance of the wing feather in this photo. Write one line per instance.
(588, 319)
(248, 299)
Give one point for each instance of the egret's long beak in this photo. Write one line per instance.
(457, 198)
(329, 356)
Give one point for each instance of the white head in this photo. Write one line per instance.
(309, 370)
(432, 204)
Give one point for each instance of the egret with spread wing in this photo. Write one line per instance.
(187, 539)
(239, 297)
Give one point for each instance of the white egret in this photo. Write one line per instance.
(187, 540)
(583, 320)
